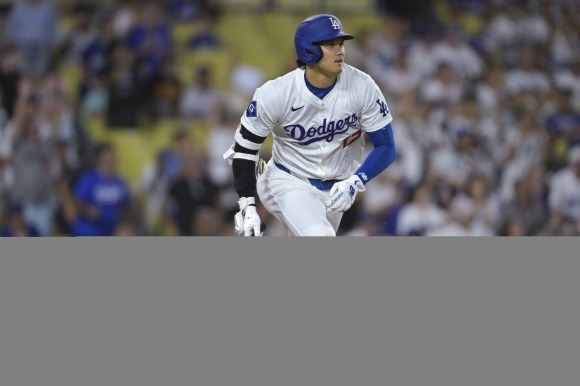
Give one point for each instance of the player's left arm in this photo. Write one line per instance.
(376, 119)
(343, 193)
(382, 155)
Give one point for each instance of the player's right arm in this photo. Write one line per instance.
(247, 222)
(244, 158)
(254, 127)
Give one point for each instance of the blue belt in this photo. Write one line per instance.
(318, 184)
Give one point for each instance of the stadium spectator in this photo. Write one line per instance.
(101, 195)
(175, 157)
(526, 144)
(386, 40)
(525, 208)
(533, 28)
(124, 17)
(77, 36)
(398, 79)
(94, 102)
(206, 222)
(244, 79)
(31, 147)
(459, 55)
(443, 89)
(420, 215)
(191, 191)
(150, 39)
(66, 210)
(564, 196)
(10, 77)
(151, 43)
(501, 33)
(421, 50)
(565, 36)
(408, 167)
(219, 140)
(33, 26)
(527, 78)
(205, 36)
(96, 54)
(485, 205)
(16, 225)
(35, 171)
(490, 90)
(125, 97)
(451, 166)
(166, 91)
(569, 77)
(60, 115)
(537, 182)
(563, 126)
(200, 100)
(385, 192)
(460, 220)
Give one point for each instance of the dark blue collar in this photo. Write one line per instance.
(319, 92)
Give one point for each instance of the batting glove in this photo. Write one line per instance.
(343, 193)
(247, 221)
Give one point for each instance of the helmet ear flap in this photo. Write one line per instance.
(319, 53)
(314, 54)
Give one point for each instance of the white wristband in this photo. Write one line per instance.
(245, 201)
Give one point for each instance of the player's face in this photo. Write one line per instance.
(332, 58)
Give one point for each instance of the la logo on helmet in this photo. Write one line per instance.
(334, 22)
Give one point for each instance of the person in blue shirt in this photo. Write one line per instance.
(151, 38)
(33, 26)
(101, 196)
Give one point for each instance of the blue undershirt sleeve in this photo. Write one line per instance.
(381, 156)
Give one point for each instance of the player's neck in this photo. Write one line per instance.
(319, 79)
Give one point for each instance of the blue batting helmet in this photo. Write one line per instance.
(316, 29)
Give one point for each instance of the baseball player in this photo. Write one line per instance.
(317, 115)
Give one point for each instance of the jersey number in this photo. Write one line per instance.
(350, 139)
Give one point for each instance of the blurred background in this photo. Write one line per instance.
(114, 115)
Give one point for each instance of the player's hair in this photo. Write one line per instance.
(300, 64)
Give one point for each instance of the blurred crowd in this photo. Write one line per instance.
(485, 97)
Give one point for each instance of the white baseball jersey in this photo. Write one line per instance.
(316, 138)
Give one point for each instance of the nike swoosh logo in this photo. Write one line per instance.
(297, 108)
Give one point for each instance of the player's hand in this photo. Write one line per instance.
(343, 193)
(247, 221)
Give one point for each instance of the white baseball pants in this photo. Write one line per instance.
(296, 203)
